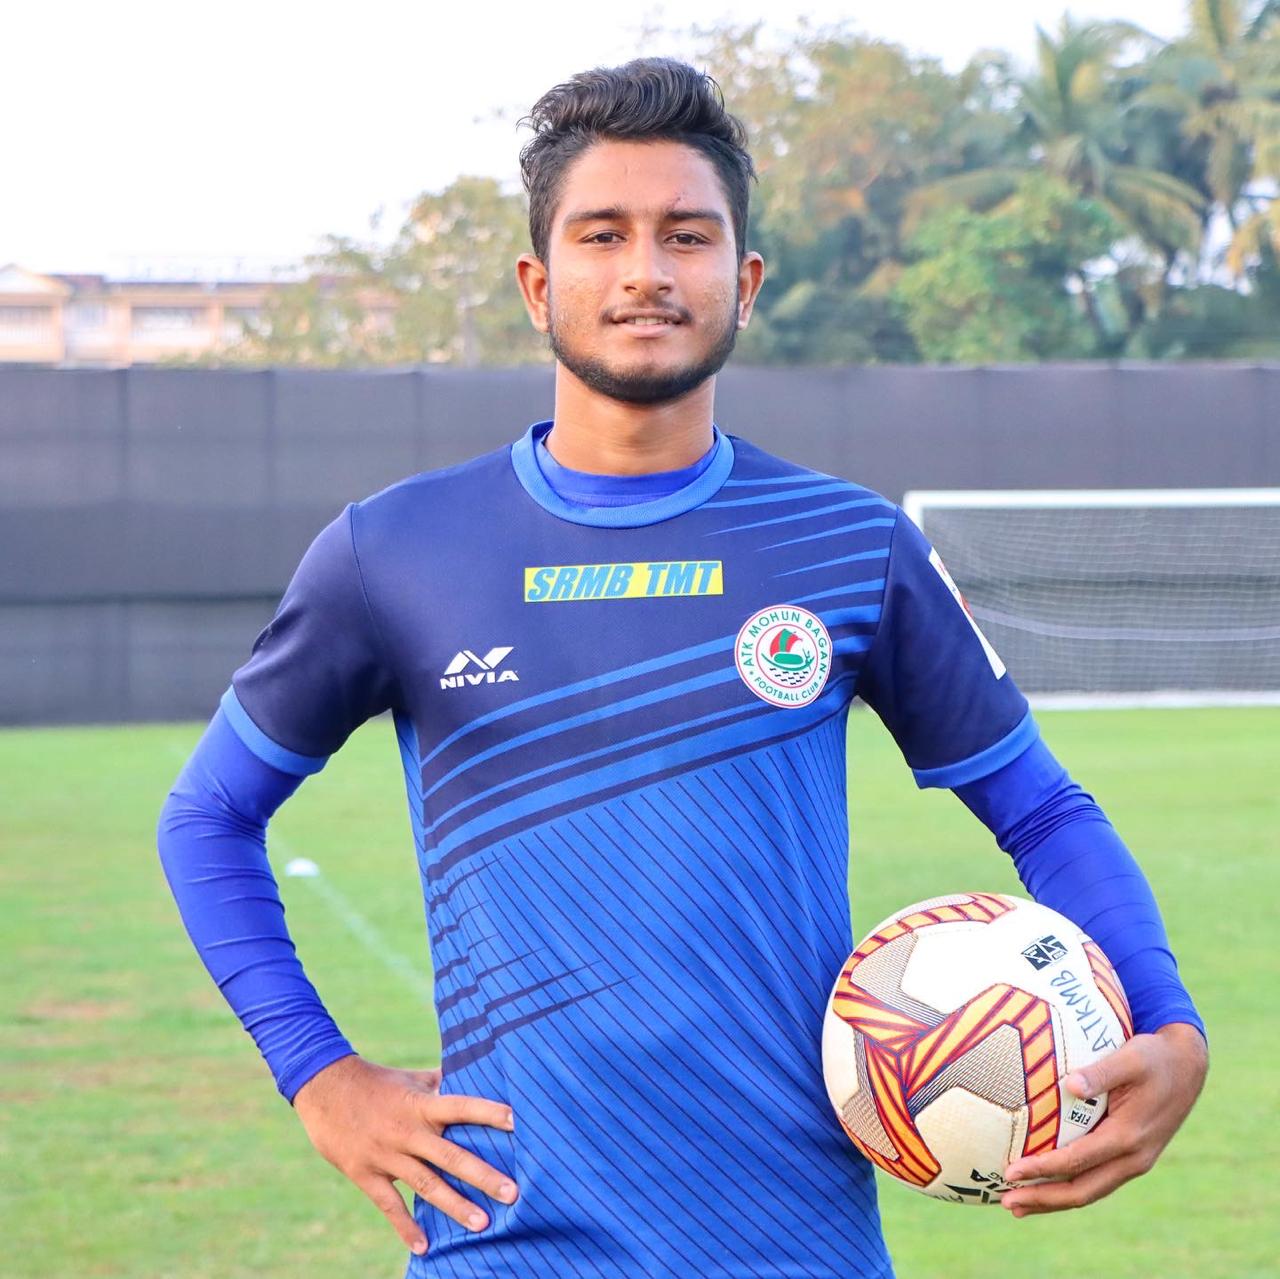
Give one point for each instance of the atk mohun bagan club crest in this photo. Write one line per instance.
(783, 654)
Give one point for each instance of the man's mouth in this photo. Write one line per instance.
(648, 318)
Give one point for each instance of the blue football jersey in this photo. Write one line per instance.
(623, 738)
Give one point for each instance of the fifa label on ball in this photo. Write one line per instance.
(1084, 1112)
(949, 1031)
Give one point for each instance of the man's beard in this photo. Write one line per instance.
(646, 386)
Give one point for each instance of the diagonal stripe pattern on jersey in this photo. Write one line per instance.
(633, 864)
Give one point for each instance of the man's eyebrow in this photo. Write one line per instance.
(616, 213)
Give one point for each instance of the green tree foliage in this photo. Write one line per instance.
(992, 287)
(454, 269)
(1221, 83)
(443, 292)
(844, 128)
(1078, 123)
(866, 143)
(1115, 198)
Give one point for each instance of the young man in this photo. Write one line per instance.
(620, 655)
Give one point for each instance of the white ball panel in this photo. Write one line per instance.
(1018, 1138)
(952, 899)
(1090, 1027)
(965, 1134)
(934, 977)
(839, 1067)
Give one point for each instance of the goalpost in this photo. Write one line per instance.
(1120, 597)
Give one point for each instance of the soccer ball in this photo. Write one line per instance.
(947, 1034)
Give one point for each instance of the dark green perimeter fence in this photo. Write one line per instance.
(150, 518)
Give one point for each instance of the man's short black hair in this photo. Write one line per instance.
(647, 100)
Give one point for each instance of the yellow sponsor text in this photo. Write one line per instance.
(553, 583)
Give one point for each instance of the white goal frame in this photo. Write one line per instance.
(916, 501)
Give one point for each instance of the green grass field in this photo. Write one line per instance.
(141, 1135)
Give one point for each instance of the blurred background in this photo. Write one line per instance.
(332, 185)
(1023, 274)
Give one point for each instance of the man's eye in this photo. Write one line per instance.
(685, 238)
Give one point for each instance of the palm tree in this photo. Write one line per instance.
(1223, 81)
(1075, 125)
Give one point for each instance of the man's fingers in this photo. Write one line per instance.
(1054, 1196)
(1126, 1065)
(1109, 1141)
(441, 1111)
(435, 1190)
(465, 1166)
(386, 1198)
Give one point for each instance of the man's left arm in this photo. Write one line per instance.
(962, 723)
(1070, 858)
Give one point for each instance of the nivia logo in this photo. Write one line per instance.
(1048, 950)
(456, 674)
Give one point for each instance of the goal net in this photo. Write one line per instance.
(1120, 596)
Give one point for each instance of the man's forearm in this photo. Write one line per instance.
(1069, 857)
(212, 843)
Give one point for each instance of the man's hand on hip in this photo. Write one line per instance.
(377, 1125)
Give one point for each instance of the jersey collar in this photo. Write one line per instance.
(524, 460)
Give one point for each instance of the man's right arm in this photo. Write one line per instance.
(212, 843)
(317, 671)
(375, 1124)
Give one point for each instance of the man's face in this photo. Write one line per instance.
(644, 293)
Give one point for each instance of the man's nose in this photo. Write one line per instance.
(648, 267)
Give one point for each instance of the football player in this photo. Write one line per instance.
(619, 655)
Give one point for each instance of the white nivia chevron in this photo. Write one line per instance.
(456, 674)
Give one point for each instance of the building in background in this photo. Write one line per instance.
(92, 321)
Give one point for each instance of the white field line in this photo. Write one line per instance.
(1171, 699)
(354, 922)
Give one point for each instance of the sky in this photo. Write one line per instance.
(141, 140)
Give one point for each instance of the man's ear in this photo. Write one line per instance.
(534, 282)
(750, 278)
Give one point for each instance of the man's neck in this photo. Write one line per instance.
(607, 437)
